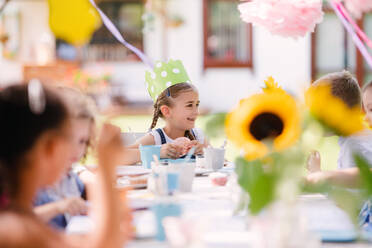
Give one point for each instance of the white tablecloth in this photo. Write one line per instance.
(212, 207)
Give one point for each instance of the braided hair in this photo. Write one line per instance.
(165, 98)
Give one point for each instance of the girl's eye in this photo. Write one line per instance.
(189, 105)
(197, 105)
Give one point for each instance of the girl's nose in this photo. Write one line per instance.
(196, 110)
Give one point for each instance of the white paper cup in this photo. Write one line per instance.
(186, 173)
(214, 158)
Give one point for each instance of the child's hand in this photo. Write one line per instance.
(110, 147)
(72, 206)
(199, 147)
(313, 162)
(316, 177)
(183, 142)
(87, 177)
(172, 151)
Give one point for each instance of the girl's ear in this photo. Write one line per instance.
(165, 110)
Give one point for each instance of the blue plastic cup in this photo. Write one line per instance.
(147, 155)
(166, 182)
(172, 182)
(162, 210)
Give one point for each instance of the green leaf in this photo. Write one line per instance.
(365, 172)
(262, 193)
(248, 172)
(321, 188)
(259, 184)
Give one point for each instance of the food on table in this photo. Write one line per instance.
(141, 180)
(218, 178)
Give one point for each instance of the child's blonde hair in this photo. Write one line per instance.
(344, 86)
(81, 106)
(165, 98)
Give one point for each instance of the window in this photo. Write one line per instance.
(333, 49)
(227, 39)
(127, 17)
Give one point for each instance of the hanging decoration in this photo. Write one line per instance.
(73, 20)
(288, 18)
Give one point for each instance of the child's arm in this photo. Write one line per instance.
(133, 155)
(72, 205)
(347, 177)
(199, 146)
(104, 198)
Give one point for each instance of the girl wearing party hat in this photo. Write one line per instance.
(176, 101)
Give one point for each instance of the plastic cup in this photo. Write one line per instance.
(162, 210)
(186, 171)
(147, 154)
(214, 158)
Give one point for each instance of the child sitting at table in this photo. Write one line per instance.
(56, 204)
(176, 100)
(36, 146)
(345, 86)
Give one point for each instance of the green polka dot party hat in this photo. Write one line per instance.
(165, 75)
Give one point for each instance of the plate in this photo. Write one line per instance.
(131, 170)
(124, 182)
(337, 235)
(202, 171)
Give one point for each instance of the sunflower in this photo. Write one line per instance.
(333, 112)
(269, 116)
(271, 85)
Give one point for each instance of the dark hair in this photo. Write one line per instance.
(165, 98)
(20, 128)
(344, 86)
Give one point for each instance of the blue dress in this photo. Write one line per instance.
(69, 186)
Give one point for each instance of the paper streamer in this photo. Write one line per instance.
(360, 32)
(354, 36)
(115, 32)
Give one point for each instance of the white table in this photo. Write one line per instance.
(214, 205)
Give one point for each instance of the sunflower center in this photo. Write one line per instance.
(266, 125)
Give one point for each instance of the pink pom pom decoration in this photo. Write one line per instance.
(288, 18)
(358, 7)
